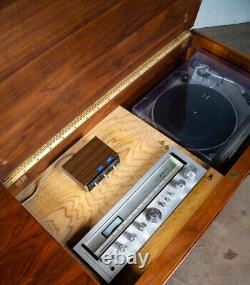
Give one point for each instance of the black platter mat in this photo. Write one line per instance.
(198, 116)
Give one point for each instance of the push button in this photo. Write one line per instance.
(162, 203)
(120, 246)
(109, 159)
(140, 226)
(130, 236)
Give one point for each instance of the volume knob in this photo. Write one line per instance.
(189, 173)
(120, 246)
(162, 203)
(130, 236)
(180, 184)
(153, 215)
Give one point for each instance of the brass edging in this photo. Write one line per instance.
(78, 121)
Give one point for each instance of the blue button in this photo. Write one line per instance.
(109, 159)
(100, 168)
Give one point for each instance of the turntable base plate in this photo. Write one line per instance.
(199, 117)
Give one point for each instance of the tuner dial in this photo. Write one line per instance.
(130, 236)
(120, 246)
(153, 215)
(189, 173)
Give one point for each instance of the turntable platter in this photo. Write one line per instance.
(197, 115)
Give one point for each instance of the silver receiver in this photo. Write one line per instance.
(135, 218)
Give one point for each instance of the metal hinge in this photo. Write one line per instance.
(81, 119)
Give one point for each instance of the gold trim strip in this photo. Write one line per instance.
(78, 121)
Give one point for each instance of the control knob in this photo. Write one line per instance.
(162, 203)
(180, 184)
(130, 236)
(189, 172)
(140, 226)
(203, 70)
(167, 199)
(171, 194)
(153, 215)
(120, 246)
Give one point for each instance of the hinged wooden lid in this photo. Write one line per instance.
(58, 57)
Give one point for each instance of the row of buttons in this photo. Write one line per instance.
(108, 160)
(153, 214)
(189, 174)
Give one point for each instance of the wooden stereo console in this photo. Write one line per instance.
(71, 71)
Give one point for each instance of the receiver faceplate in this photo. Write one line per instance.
(135, 218)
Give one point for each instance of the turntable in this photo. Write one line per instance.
(203, 105)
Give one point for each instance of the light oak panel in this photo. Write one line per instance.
(64, 208)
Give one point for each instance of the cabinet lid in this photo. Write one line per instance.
(57, 58)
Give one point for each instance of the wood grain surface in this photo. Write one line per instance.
(58, 57)
(83, 166)
(30, 28)
(127, 98)
(28, 254)
(66, 210)
(235, 57)
(50, 56)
